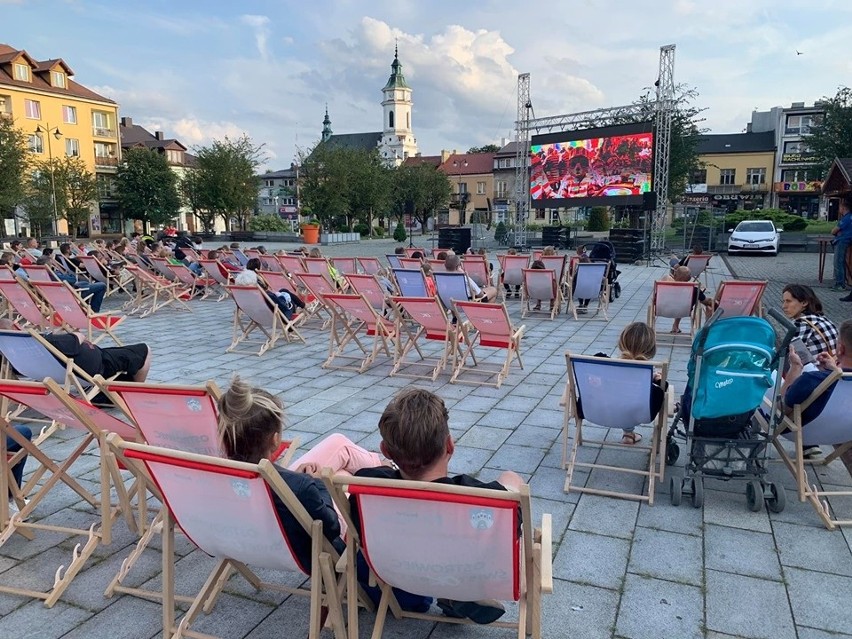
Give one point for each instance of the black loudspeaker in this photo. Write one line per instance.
(649, 201)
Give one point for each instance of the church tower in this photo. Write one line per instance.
(326, 126)
(397, 141)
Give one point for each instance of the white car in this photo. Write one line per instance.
(755, 236)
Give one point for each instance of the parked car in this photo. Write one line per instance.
(755, 236)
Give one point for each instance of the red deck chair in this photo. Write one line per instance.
(351, 315)
(193, 282)
(228, 510)
(344, 265)
(737, 298)
(48, 399)
(164, 268)
(438, 266)
(256, 312)
(476, 269)
(317, 286)
(154, 292)
(558, 264)
(372, 290)
(410, 263)
(22, 304)
(436, 251)
(38, 273)
(697, 265)
(488, 325)
(672, 300)
(369, 265)
(431, 324)
(319, 266)
(511, 267)
(410, 251)
(291, 264)
(99, 272)
(213, 272)
(72, 314)
(542, 286)
(446, 541)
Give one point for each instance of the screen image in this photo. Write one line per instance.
(597, 166)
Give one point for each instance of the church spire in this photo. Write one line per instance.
(326, 126)
(396, 80)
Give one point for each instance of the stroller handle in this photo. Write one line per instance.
(790, 332)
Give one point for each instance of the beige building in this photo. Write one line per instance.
(472, 179)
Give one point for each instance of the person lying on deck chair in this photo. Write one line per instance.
(416, 438)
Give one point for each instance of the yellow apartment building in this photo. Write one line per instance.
(63, 118)
(472, 178)
(737, 171)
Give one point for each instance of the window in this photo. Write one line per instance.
(727, 176)
(756, 176)
(480, 188)
(796, 146)
(36, 143)
(407, 120)
(539, 214)
(796, 175)
(501, 188)
(801, 124)
(390, 120)
(69, 114)
(174, 157)
(105, 186)
(33, 109)
(269, 183)
(462, 187)
(699, 176)
(22, 72)
(103, 150)
(57, 79)
(72, 147)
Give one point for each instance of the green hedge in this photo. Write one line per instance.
(399, 233)
(780, 218)
(268, 223)
(598, 219)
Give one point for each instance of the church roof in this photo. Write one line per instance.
(396, 79)
(366, 141)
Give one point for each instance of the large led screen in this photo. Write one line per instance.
(607, 166)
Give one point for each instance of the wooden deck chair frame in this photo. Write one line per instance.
(511, 267)
(177, 417)
(324, 588)
(72, 314)
(522, 552)
(351, 315)
(589, 285)
(154, 292)
(655, 471)
(739, 298)
(541, 285)
(559, 264)
(195, 283)
(369, 265)
(292, 264)
(50, 400)
(668, 300)
(93, 268)
(833, 427)
(432, 323)
(164, 268)
(476, 269)
(23, 304)
(486, 325)
(256, 312)
(318, 287)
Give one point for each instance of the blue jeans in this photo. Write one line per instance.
(840, 260)
(12, 446)
(96, 289)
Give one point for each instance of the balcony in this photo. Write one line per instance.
(101, 132)
(6, 114)
(105, 161)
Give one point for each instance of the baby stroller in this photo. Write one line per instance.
(733, 366)
(604, 251)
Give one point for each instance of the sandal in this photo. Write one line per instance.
(631, 438)
(676, 331)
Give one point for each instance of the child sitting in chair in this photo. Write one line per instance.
(682, 274)
(539, 266)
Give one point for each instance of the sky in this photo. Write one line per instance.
(203, 69)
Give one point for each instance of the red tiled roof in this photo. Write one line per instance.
(434, 160)
(476, 164)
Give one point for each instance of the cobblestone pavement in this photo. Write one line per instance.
(622, 569)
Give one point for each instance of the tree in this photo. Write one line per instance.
(436, 193)
(226, 182)
(146, 187)
(38, 201)
(80, 189)
(189, 187)
(488, 148)
(399, 233)
(598, 219)
(14, 164)
(370, 190)
(832, 136)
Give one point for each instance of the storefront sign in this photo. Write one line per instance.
(737, 197)
(797, 158)
(288, 213)
(697, 200)
(800, 187)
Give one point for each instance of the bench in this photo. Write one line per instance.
(795, 240)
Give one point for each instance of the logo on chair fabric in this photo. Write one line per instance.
(241, 488)
(194, 405)
(481, 518)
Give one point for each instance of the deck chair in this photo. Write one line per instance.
(411, 250)
(292, 264)
(240, 256)
(451, 287)
(351, 315)
(542, 286)
(393, 261)
(319, 266)
(255, 312)
(22, 304)
(476, 269)
(410, 282)
(437, 251)
(438, 266)
(370, 288)
(71, 313)
(252, 253)
(213, 272)
(317, 287)
(511, 267)
(164, 268)
(446, 541)
(737, 298)
(98, 272)
(344, 265)
(38, 273)
(831, 427)
(431, 323)
(697, 265)
(410, 263)
(615, 393)
(487, 325)
(182, 418)
(369, 265)
(49, 400)
(154, 292)
(590, 283)
(559, 264)
(191, 281)
(672, 300)
(227, 509)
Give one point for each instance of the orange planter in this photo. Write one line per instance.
(310, 233)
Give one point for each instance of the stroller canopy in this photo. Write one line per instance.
(602, 251)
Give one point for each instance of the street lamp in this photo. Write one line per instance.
(459, 164)
(57, 134)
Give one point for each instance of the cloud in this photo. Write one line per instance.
(260, 25)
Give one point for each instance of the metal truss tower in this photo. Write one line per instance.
(522, 151)
(664, 111)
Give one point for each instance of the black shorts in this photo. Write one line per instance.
(126, 360)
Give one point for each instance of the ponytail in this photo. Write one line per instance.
(248, 419)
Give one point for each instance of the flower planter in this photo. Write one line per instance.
(310, 233)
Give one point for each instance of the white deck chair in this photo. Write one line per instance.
(672, 300)
(511, 271)
(541, 285)
(590, 283)
(227, 510)
(615, 393)
(256, 312)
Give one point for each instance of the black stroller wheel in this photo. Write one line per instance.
(754, 495)
(777, 500)
(672, 452)
(616, 287)
(676, 485)
(697, 492)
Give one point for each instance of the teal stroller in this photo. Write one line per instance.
(734, 364)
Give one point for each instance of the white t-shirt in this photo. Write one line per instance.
(246, 278)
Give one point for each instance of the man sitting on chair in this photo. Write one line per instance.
(452, 264)
(416, 437)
